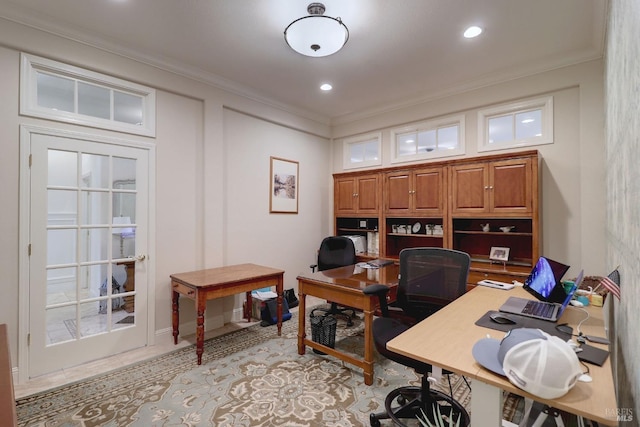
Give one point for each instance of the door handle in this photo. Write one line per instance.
(138, 257)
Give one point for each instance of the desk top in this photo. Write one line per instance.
(445, 339)
(225, 275)
(355, 277)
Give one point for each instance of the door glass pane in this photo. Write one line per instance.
(61, 324)
(61, 246)
(94, 101)
(95, 171)
(61, 285)
(122, 319)
(93, 244)
(92, 280)
(92, 322)
(62, 207)
(124, 173)
(55, 92)
(124, 206)
(127, 108)
(63, 168)
(95, 208)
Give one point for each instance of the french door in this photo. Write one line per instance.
(88, 213)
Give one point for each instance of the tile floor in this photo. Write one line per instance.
(69, 375)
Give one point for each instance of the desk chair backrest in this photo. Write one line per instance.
(430, 278)
(336, 251)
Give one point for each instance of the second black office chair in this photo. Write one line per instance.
(336, 251)
(430, 278)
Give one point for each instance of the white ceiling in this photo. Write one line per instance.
(399, 51)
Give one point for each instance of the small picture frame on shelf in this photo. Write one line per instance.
(499, 254)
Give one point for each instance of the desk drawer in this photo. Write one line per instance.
(183, 290)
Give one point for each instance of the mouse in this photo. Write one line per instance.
(499, 318)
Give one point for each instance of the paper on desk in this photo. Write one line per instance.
(265, 295)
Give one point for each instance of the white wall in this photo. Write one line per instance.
(572, 171)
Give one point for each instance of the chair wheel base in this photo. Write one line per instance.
(405, 403)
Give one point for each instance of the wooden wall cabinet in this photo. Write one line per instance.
(457, 197)
(493, 187)
(415, 192)
(359, 194)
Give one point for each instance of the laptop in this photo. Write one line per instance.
(544, 283)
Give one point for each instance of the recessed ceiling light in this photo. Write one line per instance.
(472, 32)
(326, 86)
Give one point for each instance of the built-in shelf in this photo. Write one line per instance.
(433, 236)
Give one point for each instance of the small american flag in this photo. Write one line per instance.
(612, 283)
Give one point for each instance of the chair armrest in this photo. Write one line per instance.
(381, 292)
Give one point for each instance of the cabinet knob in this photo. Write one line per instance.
(486, 187)
(491, 187)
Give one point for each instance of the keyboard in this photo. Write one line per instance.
(540, 309)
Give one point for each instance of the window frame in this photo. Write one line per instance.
(31, 65)
(544, 104)
(364, 138)
(432, 124)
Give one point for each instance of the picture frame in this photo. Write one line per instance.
(499, 254)
(283, 187)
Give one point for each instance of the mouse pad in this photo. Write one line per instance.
(588, 354)
(524, 322)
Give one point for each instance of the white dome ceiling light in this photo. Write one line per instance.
(316, 35)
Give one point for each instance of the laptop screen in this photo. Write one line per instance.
(545, 278)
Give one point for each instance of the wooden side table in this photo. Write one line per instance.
(203, 285)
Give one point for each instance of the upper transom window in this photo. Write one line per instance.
(56, 91)
(362, 151)
(426, 140)
(516, 125)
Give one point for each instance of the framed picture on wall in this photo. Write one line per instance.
(283, 190)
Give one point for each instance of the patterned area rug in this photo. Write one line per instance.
(249, 377)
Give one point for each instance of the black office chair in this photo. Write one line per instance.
(334, 252)
(429, 279)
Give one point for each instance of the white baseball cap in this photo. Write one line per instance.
(532, 360)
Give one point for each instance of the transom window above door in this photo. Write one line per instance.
(56, 91)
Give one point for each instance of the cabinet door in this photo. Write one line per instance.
(428, 190)
(397, 192)
(511, 186)
(345, 196)
(469, 188)
(367, 194)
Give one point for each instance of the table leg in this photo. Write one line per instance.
(368, 347)
(175, 315)
(486, 405)
(280, 292)
(201, 304)
(248, 306)
(301, 319)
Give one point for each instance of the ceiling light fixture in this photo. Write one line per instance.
(472, 32)
(326, 86)
(316, 35)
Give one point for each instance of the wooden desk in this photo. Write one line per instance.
(344, 286)
(446, 338)
(204, 285)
